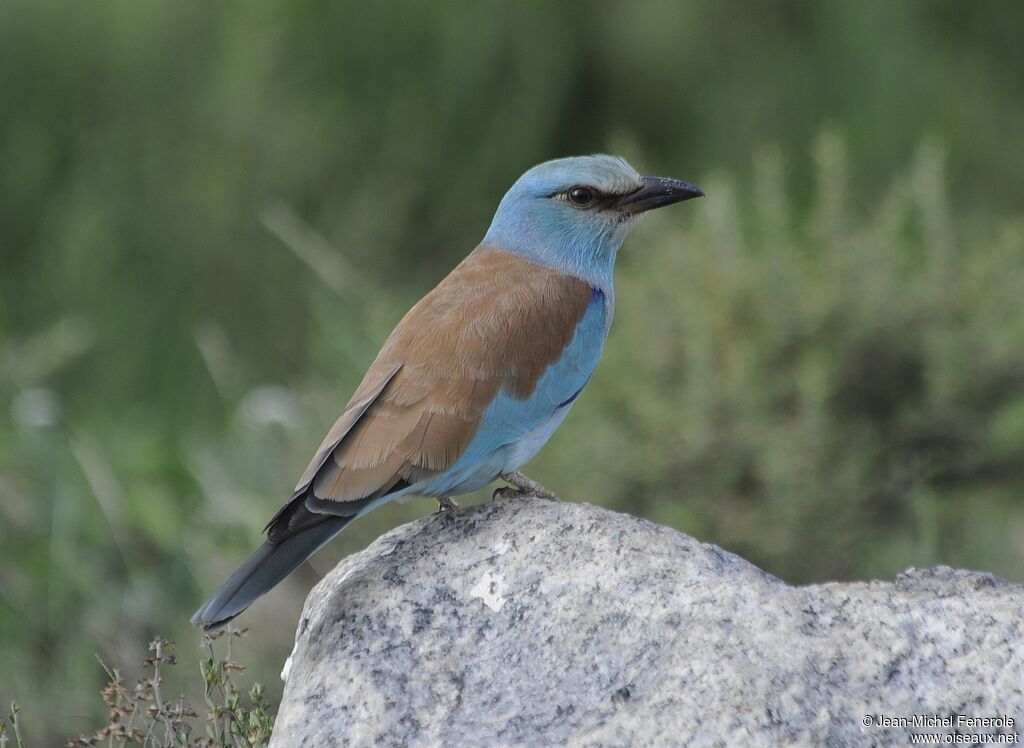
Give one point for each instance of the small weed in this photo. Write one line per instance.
(141, 714)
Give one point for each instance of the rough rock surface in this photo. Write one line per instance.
(536, 623)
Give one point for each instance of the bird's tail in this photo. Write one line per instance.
(271, 563)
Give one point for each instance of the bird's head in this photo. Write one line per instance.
(573, 213)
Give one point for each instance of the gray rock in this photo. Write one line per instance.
(536, 623)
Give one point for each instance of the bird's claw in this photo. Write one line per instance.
(446, 504)
(507, 492)
(520, 487)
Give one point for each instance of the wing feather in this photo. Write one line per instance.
(496, 323)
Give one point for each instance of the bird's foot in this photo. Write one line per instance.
(519, 486)
(446, 504)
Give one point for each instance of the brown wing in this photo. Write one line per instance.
(497, 321)
(376, 379)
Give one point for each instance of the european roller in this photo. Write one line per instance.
(479, 374)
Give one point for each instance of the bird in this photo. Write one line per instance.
(479, 374)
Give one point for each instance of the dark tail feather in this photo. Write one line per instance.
(264, 569)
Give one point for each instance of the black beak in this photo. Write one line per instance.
(657, 192)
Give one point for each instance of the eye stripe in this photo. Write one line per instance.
(599, 199)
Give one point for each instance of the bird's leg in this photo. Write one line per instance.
(521, 486)
(446, 504)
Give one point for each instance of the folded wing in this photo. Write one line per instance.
(494, 325)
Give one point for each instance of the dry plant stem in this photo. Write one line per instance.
(115, 683)
(216, 720)
(228, 712)
(149, 733)
(169, 730)
(131, 721)
(18, 741)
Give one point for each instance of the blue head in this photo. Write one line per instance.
(573, 213)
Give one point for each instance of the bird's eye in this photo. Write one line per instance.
(581, 196)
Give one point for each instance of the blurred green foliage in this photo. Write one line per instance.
(212, 214)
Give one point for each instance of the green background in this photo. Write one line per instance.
(211, 214)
